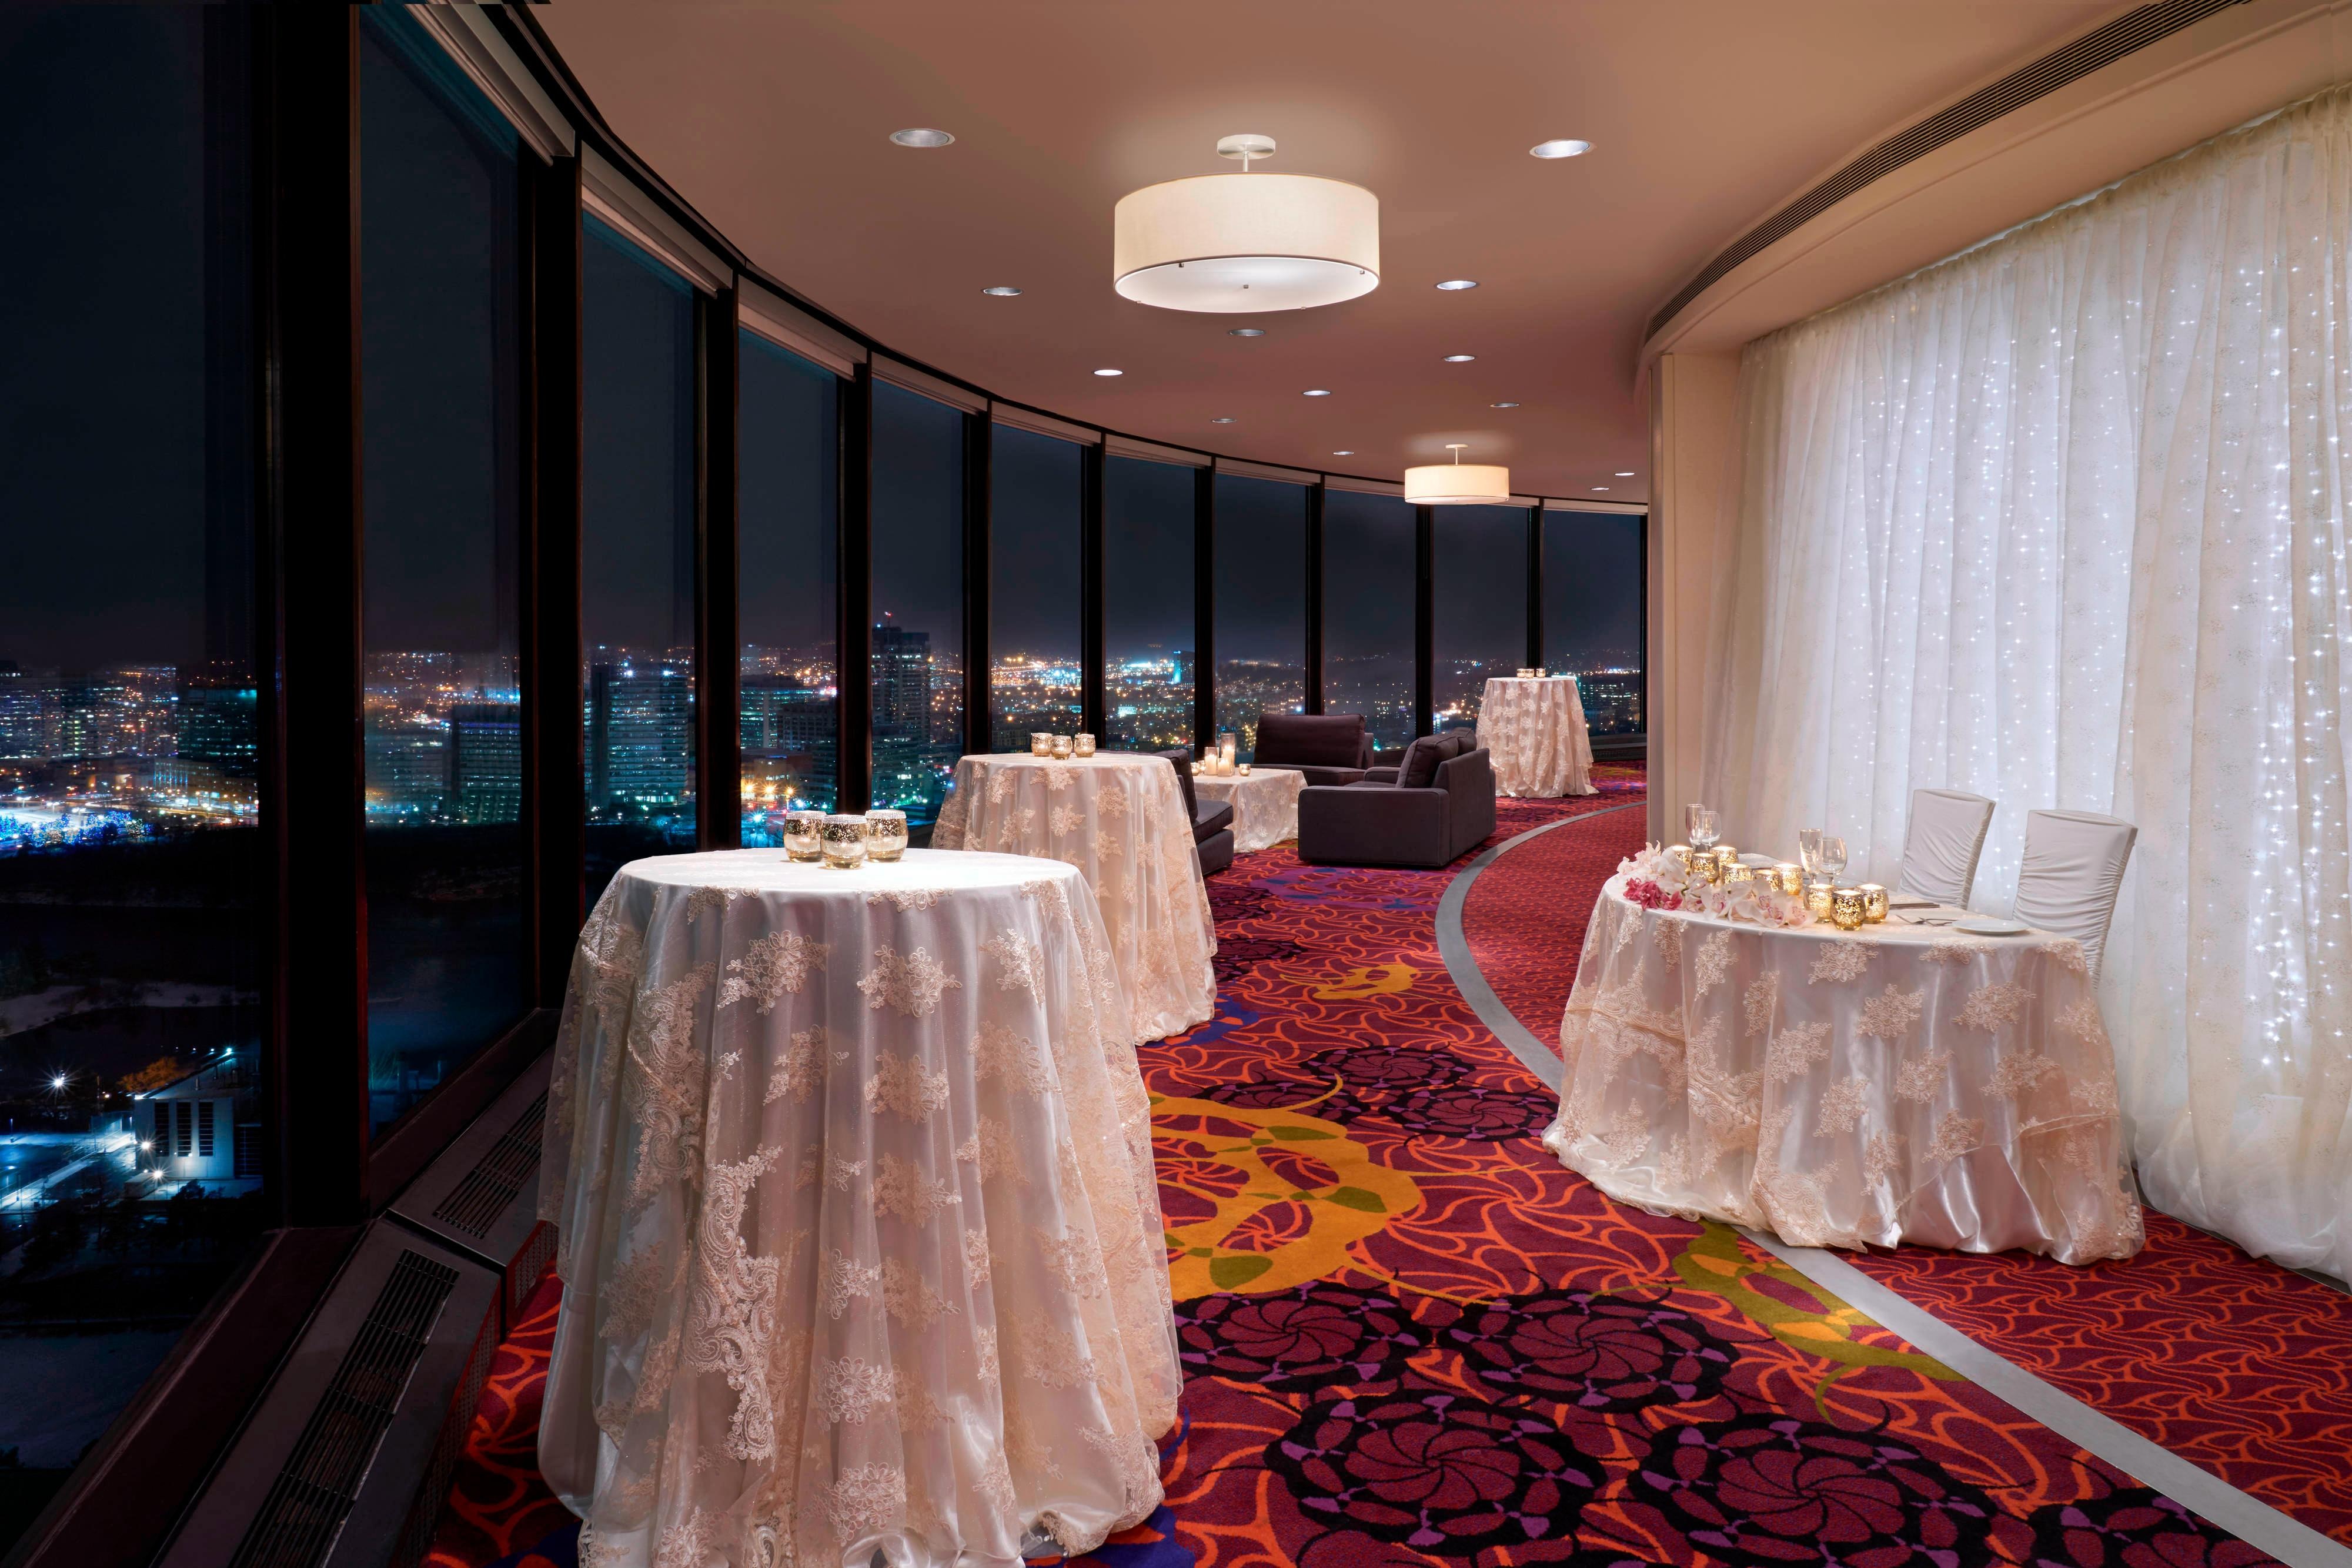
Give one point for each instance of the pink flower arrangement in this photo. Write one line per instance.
(1641, 891)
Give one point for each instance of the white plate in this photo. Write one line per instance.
(1986, 927)
(1758, 859)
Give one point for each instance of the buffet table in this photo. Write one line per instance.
(1120, 818)
(859, 1232)
(1533, 733)
(1903, 1083)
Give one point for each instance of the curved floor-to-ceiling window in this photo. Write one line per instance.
(441, 342)
(1260, 603)
(1034, 656)
(918, 600)
(130, 866)
(1479, 601)
(788, 490)
(636, 552)
(1369, 645)
(1148, 630)
(1592, 613)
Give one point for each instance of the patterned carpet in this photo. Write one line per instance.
(1413, 1338)
(1525, 916)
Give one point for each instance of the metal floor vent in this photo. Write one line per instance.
(298, 1521)
(500, 1177)
(2102, 46)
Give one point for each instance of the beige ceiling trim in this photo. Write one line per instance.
(1234, 466)
(467, 38)
(1615, 508)
(1362, 486)
(938, 389)
(615, 198)
(758, 309)
(1152, 451)
(1021, 418)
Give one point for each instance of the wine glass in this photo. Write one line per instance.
(1809, 849)
(1700, 820)
(1831, 856)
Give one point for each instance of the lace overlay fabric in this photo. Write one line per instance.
(1846, 1091)
(819, 1143)
(1119, 818)
(1534, 735)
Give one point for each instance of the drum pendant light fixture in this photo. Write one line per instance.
(1458, 484)
(1247, 242)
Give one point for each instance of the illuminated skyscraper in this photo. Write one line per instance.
(640, 733)
(218, 724)
(902, 682)
(485, 761)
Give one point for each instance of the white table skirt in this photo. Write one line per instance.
(1535, 736)
(1265, 804)
(1120, 818)
(1902, 1083)
(859, 1230)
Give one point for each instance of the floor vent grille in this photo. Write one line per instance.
(474, 1205)
(2102, 46)
(297, 1523)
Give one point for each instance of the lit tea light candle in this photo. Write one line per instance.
(1873, 903)
(845, 843)
(886, 834)
(804, 835)
(1847, 907)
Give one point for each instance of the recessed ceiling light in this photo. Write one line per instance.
(1343, 454)
(1315, 391)
(1459, 359)
(1001, 291)
(1111, 372)
(1565, 147)
(1451, 284)
(920, 136)
(1601, 487)
(1624, 474)
(1223, 419)
(1246, 332)
(1501, 406)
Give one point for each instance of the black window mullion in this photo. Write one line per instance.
(1204, 609)
(1535, 656)
(718, 653)
(1091, 677)
(1424, 617)
(855, 579)
(554, 763)
(979, 532)
(1314, 682)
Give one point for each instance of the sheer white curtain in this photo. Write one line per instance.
(2061, 521)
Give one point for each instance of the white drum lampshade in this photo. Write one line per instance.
(1246, 242)
(1458, 484)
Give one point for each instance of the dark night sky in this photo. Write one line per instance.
(789, 476)
(1146, 558)
(101, 310)
(1261, 569)
(1480, 592)
(1592, 590)
(637, 465)
(1367, 548)
(1033, 509)
(919, 514)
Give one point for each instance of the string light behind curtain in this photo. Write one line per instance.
(2061, 521)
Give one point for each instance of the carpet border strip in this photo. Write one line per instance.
(2247, 1517)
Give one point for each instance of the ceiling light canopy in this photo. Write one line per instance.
(1564, 147)
(1454, 285)
(1001, 291)
(1458, 484)
(921, 136)
(1247, 242)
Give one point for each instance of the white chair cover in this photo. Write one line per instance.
(1941, 845)
(2073, 871)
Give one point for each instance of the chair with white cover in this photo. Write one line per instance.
(1941, 845)
(2073, 873)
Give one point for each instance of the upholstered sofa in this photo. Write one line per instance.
(1434, 805)
(1328, 748)
(1213, 821)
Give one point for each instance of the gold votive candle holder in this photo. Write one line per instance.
(1817, 900)
(1707, 868)
(1041, 743)
(845, 843)
(1847, 908)
(1062, 748)
(1241, 769)
(1082, 745)
(1873, 903)
(1737, 873)
(1726, 857)
(804, 835)
(1680, 852)
(886, 834)
(1789, 877)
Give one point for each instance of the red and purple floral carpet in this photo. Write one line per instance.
(1411, 1338)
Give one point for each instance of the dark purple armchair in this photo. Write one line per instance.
(1431, 808)
(1328, 748)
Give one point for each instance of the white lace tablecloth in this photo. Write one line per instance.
(859, 1232)
(1265, 804)
(1533, 734)
(1902, 1083)
(1120, 818)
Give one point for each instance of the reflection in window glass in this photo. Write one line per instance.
(1368, 610)
(788, 494)
(1592, 613)
(440, 302)
(1261, 604)
(918, 649)
(1148, 625)
(1479, 597)
(636, 553)
(1033, 653)
(130, 954)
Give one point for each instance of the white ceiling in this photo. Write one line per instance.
(772, 120)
